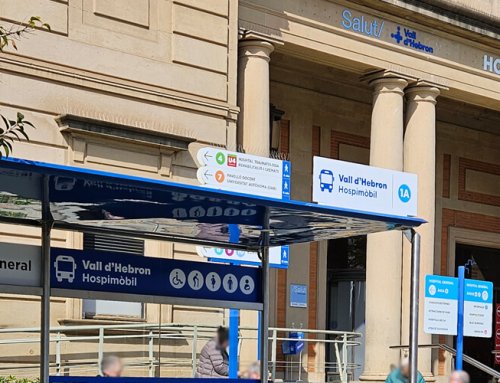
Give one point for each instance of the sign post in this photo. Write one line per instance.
(234, 322)
(460, 324)
(244, 173)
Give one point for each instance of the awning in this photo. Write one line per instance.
(96, 201)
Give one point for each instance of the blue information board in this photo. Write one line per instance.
(121, 273)
(298, 296)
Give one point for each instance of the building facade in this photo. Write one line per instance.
(138, 86)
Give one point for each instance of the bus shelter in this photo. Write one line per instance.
(77, 199)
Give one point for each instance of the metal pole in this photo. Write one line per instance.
(234, 319)
(47, 222)
(459, 360)
(151, 354)
(194, 350)
(415, 280)
(58, 353)
(273, 354)
(264, 328)
(100, 350)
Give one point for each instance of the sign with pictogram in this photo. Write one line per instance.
(244, 173)
(119, 274)
(278, 256)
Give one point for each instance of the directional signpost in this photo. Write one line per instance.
(244, 173)
(458, 306)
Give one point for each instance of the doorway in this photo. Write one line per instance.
(346, 294)
(482, 264)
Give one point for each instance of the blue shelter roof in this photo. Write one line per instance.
(96, 201)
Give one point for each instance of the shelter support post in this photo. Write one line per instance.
(264, 327)
(459, 361)
(414, 238)
(234, 322)
(47, 222)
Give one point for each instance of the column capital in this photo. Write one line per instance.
(255, 48)
(423, 92)
(386, 81)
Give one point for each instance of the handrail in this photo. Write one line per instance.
(473, 362)
(151, 332)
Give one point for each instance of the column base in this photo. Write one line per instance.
(428, 377)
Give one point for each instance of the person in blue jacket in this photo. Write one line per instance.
(402, 374)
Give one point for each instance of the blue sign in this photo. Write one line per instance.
(298, 295)
(478, 308)
(293, 347)
(441, 306)
(409, 38)
(286, 179)
(131, 274)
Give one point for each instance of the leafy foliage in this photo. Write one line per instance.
(8, 36)
(13, 379)
(11, 130)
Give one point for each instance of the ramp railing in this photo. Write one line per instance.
(160, 349)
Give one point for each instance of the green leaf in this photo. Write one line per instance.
(5, 121)
(23, 133)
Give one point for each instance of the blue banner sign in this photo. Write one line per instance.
(118, 273)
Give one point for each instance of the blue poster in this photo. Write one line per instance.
(132, 274)
(298, 296)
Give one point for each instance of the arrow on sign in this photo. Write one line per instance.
(207, 157)
(204, 175)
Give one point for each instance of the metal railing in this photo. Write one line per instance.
(192, 337)
(467, 359)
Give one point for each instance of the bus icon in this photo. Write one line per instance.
(326, 180)
(65, 268)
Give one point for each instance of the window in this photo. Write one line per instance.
(93, 308)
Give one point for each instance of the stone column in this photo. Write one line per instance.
(384, 250)
(253, 96)
(253, 138)
(420, 158)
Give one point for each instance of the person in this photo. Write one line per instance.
(214, 359)
(111, 366)
(402, 374)
(459, 376)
